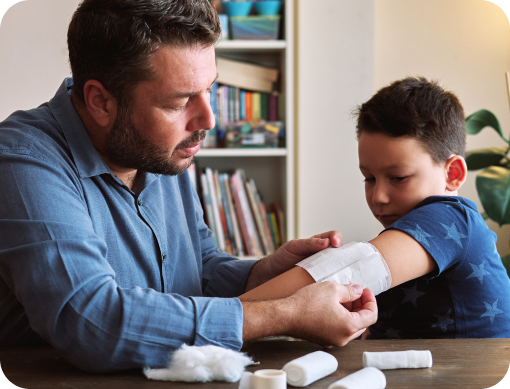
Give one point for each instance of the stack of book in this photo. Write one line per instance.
(243, 93)
(236, 215)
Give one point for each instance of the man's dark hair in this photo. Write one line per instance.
(111, 40)
(419, 109)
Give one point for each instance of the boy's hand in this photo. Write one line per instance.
(289, 254)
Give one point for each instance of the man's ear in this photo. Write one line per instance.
(456, 172)
(100, 103)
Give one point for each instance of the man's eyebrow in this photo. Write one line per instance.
(191, 94)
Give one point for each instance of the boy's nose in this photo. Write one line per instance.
(380, 195)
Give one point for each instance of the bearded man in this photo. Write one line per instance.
(104, 252)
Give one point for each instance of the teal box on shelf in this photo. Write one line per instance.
(252, 134)
(255, 27)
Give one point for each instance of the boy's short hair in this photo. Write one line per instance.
(417, 108)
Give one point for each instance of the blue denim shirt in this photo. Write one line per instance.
(111, 279)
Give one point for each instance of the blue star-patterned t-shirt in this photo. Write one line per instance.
(468, 296)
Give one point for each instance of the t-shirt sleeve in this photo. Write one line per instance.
(442, 228)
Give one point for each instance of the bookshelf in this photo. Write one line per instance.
(272, 169)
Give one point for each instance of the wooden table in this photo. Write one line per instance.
(458, 363)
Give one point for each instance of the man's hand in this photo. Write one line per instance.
(289, 254)
(325, 313)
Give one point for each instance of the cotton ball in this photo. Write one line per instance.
(202, 364)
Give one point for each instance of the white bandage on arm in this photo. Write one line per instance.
(352, 263)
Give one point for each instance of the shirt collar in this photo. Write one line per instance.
(88, 161)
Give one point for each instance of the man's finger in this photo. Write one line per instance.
(347, 293)
(335, 237)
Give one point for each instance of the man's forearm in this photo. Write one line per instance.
(267, 318)
(317, 313)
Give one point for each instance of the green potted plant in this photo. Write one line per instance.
(493, 182)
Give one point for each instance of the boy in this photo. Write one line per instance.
(445, 276)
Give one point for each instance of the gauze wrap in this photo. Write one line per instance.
(310, 368)
(351, 263)
(367, 378)
(410, 359)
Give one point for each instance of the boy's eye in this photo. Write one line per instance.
(369, 179)
(399, 179)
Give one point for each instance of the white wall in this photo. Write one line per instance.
(33, 53)
(465, 44)
(334, 74)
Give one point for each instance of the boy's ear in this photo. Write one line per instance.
(456, 172)
(100, 103)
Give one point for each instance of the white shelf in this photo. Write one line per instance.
(251, 45)
(276, 152)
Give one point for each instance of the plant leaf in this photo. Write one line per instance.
(506, 263)
(493, 186)
(482, 158)
(477, 121)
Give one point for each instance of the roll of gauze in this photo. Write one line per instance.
(246, 381)
(310, 368)
(410, 359)
(367, 378)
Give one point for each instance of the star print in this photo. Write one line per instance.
(392, 334)
(412, 294)
(420, 235)
(478, 272)
(454, 234)
(443, 321)
(492, 311)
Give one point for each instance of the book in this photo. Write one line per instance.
(258, 217)
(273, 107)
(264, 109)
(222, 212)
(255, 101)
(238, 179)
(242, 105)
(210, 138)
(218, 227)
(271, 217)
(245, 235)
(224, 180)
(246, 76)
(208, 206)
(249, 108)
(280, 222)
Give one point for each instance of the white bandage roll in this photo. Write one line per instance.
(310, 368)
(367, 378)
(351, 263)
(269, 379)
(411, 359)
(246, 381)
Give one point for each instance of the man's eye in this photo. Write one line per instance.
(181, 108)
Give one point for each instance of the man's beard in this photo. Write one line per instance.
(127, 148)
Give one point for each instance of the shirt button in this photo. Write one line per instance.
(139, 202)
(163, 257)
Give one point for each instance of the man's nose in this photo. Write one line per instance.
(204, 119)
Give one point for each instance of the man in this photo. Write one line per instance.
(104, 252)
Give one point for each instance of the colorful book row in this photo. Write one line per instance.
(232, 105)
(236, 215)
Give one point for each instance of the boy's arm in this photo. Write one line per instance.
(405, 257)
